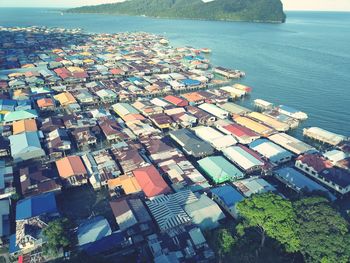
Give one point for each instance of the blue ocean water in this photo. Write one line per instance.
(304, 63)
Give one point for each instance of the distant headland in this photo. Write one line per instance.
(265, 11)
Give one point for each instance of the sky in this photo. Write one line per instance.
(317, 5)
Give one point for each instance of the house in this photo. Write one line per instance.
(132, 217)
(10, 117)
(32, 216)
(216, 139)
(202, 116)
(242, 134)
(291, 144)
(111, 130)
(36, 180)
(245, 158)
(219, 170)
(84, 137)
(204, 212)
(124, 184)
(255, 126)
(254, 185)
(300, 182)
(28, 125)
(58, 142)
(6, 180)
(325, 172)
(151, 181)
(95, 237)
(4, 219)
(191, 144)
(228, 198)
(167, 210)
(214, 110)
(106, 95)
(45, 104)
(101, 167)
(65, 98)
(177, 101)
(26, 146)
(93, 230)
(4, 147)
(72, 170)
(129, 158)
(271, 151)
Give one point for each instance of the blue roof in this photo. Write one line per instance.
(300, 181)
(24, 142)
(36, 205)
(13, 248)
(133, 79)
(92, 230)
(8, 102)
(228, 195)
(104, 244)
(190, 82)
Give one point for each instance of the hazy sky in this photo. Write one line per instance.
(323, 5)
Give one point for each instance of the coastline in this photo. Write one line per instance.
(179, 18)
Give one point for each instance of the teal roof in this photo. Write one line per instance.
(219, 169)
(24, 142)
(20, 115)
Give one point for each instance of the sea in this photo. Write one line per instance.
(303, 63)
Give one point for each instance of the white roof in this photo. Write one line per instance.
(335, 155)
(268, 149)
(214, 110)
(214, 137)
(290, 143)
(159, 102)
(245, 160)
(253, 185)
(263, 103)
(330, 136)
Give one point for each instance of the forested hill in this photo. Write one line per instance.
(231, 10)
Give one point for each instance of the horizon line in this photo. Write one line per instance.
(68, 7)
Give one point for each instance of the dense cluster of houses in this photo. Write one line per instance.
(153, 124)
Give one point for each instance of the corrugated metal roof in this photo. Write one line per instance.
(36, 205)
(228, 195)
(92, 230)
(241, 157)
(219, 169)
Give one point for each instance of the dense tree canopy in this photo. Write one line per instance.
(271, 215)
(323, 232)
(58, 236)
(238, 10)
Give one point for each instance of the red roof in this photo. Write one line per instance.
(317, 162)
(239, 130)
(176, 100)
(151, 181)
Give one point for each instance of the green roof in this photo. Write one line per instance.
(20, 115)
(219, 169)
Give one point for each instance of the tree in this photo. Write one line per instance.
(270, 215)
(323, 232)
(58, 235)
(221, 241)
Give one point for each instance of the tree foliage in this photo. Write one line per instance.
(58, 235)
(323, 232)
(271, 215)
(237, 10)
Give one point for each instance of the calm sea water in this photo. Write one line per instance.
(304, 63)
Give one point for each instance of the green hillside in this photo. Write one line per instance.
(231, 10)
